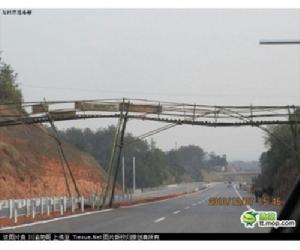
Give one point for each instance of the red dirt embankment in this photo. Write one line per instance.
(31, 166)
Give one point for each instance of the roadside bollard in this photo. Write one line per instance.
(10, 209)
(27, 207)
(16, 213)
(100, 200)
(65, 203)
(97, 201)
(53, 204)
(33, 208)
(42, 206)
(82, 204)
(93, 201)
(62, 206)
(72, 204)
(48, 206)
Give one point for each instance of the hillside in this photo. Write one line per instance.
(30, 164)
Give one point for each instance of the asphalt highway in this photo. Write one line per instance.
(187, 214)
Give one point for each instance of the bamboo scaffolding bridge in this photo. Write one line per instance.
(160, 111)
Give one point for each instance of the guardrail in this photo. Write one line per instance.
(32, 207)
(169, 189)
(14, 208)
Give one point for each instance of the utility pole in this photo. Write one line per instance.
(133, 172)
(123, 173)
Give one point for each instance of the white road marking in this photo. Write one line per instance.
(238, 193)
(159, 219)
(194, 204)
(55, 219)
(176, 212)
(187, 207)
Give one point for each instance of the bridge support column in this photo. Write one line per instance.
(121, 144)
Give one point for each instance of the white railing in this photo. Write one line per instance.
(32, 207)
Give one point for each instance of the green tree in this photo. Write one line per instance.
(280, 163)
(9, 89)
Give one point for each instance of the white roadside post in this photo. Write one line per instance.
(33, 208)
(42, 205)
(65, 203)
(93, 201)
(133, 173)
(72, 204)
(82, 204)
(53, 203)
(48, 206)
(123, 173)
(16, 212)
(61, 206)
(10, 209)
(27, 207)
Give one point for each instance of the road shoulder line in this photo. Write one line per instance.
(55, 219)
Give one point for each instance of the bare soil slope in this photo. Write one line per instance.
(31, 166)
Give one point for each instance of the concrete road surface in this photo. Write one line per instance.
(187, 214)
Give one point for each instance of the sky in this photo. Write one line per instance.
(202, 56)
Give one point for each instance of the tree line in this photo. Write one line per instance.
(154, 166)
(280, 164)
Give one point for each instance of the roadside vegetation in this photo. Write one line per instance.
(9, 88)
(154, 167)
(280, 164)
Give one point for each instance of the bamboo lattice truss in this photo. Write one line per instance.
(169, 112)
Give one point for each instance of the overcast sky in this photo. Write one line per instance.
(195, 56)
